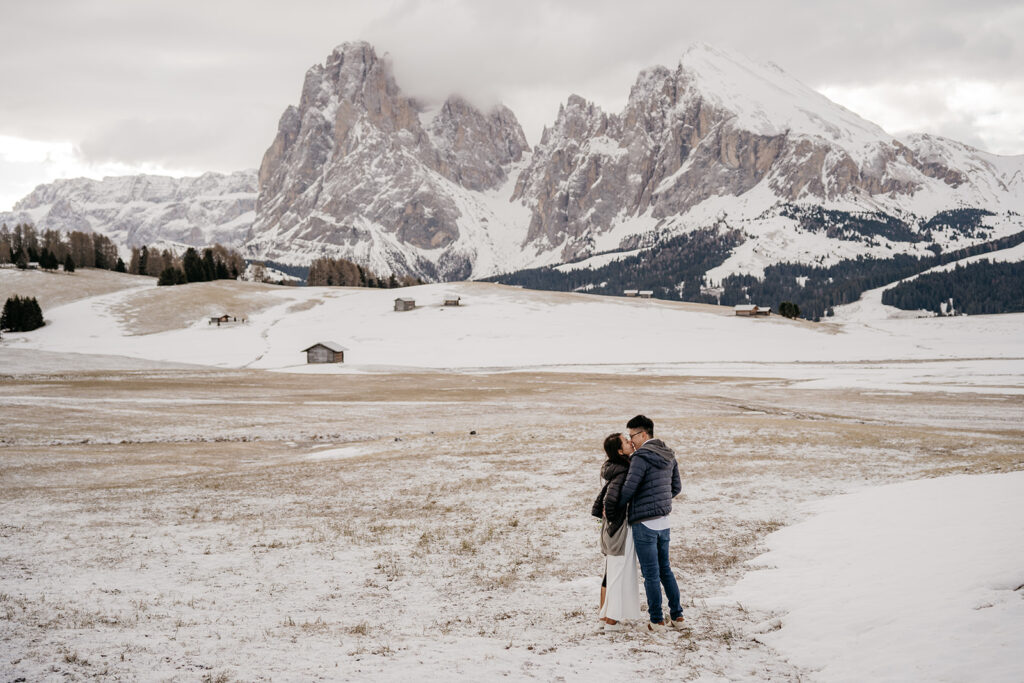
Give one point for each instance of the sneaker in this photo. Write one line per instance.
(656, 627)
(677, 624)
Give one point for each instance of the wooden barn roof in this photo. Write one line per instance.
(332, 346)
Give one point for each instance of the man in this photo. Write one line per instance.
(651, 484)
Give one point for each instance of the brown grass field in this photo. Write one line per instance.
(237, 525)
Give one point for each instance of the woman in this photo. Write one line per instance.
(620, 595)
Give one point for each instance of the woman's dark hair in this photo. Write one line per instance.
(612, 446)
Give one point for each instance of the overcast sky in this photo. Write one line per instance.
(108, 87)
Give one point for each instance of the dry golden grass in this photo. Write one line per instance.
(52, 289)
(207, 486)
(172, 308)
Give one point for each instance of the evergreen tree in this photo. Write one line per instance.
(144, 260)
(10, 316)
(192, 265)
(69, 264)
(99, 255)
(120, 266)
(209, 267)
(789, 309)
(21, 259)
(21, 314)
(172, 276)
(33, 315)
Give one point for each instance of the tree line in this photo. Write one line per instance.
(340, 272)
(676, 268)
(51, 249)
(845, 225)
(216, 263)
(975, 289)
(673, 270)
(816, 289)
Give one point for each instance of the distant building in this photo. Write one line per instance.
(325, 352)
(645, 293)
(405, 304)
(452, 300)
(751, 310)
(630, 292)
(217, 320)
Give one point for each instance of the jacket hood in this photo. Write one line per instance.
(657, 453)
(612, 469)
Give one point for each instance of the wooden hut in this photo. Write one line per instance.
(645, 293)
(405, 304)
(752, 310)
(452, 300)
(630, 292)
(325, 352)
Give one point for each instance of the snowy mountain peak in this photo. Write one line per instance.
(145, 209)
(724, 134)
(360, 170)
(768, 101)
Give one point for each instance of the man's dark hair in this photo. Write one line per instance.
(642, 422)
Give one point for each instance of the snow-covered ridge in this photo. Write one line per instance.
(360, 170)
(145, 209)
(767, 101)
(721, 139)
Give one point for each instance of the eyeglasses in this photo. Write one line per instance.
(635, 434)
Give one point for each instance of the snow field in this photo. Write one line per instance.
(914, 581)
(349, 527)
(182, 521)
(504, 329)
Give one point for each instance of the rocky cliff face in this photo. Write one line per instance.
(717, 126)
(360, 170)
(145, 209)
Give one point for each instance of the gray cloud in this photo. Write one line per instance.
(201, 85)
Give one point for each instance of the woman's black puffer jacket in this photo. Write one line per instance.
(614, 473)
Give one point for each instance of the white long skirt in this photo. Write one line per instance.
(622, 594)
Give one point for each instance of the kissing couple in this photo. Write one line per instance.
(641, 477)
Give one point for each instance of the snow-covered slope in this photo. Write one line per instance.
(145, 209)
(869, 307)
(912, 581)
(506, 328)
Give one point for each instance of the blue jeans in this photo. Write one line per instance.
(652, 552)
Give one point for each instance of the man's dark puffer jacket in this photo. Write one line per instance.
(614, 474)
(652, 482)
